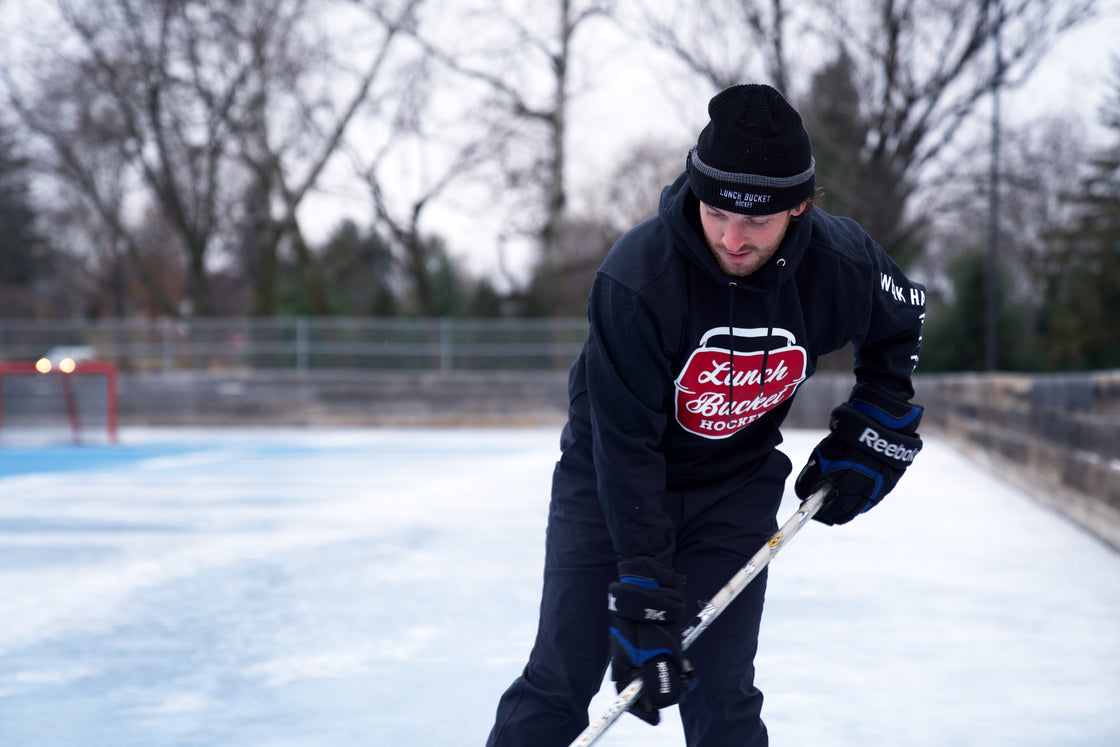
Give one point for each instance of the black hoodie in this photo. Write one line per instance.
(688, 372)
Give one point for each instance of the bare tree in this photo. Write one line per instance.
(523, 59)
(405, 230)
(222, 116)
(724, 42)
(297, 121)
(918, 71)
(922, 71)
(423, 154)
(110, 110)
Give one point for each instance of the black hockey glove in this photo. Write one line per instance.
(646, 606)
(873, 439)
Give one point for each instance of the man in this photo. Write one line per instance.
(704, 321)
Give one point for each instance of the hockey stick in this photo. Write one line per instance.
(711, 611)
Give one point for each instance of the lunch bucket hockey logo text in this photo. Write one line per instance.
(717, 393)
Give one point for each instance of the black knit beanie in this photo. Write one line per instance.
(754, 156)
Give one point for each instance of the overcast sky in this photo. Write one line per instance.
(1076, 73)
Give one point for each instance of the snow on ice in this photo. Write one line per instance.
(379, 587)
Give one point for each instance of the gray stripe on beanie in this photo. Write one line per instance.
(753, 180)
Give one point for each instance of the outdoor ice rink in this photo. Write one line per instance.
(324, 588)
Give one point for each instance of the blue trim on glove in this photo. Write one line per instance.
(827, 466)
(880, 416)
(637, 655)
(645, 583)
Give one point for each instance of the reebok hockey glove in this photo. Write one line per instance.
(873, 439)
(646, 606)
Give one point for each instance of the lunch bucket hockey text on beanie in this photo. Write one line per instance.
(754, 156)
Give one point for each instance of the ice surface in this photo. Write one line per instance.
(380, 587)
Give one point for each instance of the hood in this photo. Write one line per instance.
(679, 212)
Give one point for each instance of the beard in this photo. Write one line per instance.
(746, 259)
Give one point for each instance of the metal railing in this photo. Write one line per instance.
(302, 343)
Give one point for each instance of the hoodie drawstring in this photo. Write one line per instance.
(732, 286)
(771, 312)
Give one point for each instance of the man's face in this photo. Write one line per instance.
(743, 243)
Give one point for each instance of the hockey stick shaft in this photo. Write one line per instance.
(711, 611)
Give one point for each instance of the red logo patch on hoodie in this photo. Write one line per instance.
(719, 394)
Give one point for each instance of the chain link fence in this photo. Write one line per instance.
(301, 343)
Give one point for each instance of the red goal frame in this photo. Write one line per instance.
(108, 370)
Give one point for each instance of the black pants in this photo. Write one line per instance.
(716, 534)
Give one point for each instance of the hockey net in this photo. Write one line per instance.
(50, 402)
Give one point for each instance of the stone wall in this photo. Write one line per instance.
(1057, 436)
(336, 398)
